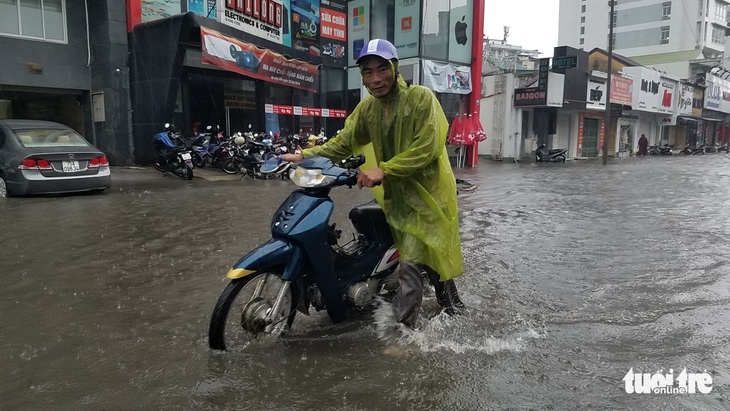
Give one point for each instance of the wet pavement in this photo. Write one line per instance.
(576, 273)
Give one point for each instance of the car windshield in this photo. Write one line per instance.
(42, 137)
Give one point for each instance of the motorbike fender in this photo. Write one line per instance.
(268, 256)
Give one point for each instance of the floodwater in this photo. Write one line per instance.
(576, 273)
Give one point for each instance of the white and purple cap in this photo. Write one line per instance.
(379, 47)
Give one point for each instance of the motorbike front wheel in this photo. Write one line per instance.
(198, 160)
(231, 165)
(244, 311)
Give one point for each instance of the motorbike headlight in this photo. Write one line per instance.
(309, 177)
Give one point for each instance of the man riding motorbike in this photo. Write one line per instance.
(403, 129)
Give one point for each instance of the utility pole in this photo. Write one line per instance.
(607, 121)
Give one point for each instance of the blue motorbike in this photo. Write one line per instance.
(303, 265)
(171, 154)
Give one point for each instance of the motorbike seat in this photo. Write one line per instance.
(555, 150)
(369, 220)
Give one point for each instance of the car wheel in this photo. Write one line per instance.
(3, 188)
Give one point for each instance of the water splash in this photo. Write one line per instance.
(445, 333)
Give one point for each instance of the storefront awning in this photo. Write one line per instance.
(688, 118)
(246, 59)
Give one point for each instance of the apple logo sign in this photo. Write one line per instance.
(460, 31)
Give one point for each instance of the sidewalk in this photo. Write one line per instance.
(210, 174)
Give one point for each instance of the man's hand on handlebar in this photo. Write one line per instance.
(370, 178)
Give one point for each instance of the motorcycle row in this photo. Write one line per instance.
(243, 153)
(668, 150)
(558, 155)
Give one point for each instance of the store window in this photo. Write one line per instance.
(435, 29)
(302, 101)
(332, 83)
(34, 19)
(446, 30)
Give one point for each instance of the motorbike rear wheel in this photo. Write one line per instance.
(243, 311)
(186, 172)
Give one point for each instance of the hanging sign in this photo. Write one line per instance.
(246, 59)
(446, 78)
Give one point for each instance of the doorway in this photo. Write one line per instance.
(590, 137)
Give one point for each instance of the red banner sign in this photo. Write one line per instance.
(246, 59)
(304, 111)
(334, 24)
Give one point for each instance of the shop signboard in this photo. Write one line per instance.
(358, 28)
(596, 95)
(304, 111)
(530, 96)
(446, 78)
(244, 58)
(621, 90)
(667, 91)
(646, 88)
(565, 62)
(261, 18)
(717, 93)
(158, 9)
(245, 100)
(684, 99)
(460, 27)
(205, 8)
(407, 26)
(305, 26)
(333, 39)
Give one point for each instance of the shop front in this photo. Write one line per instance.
(716, 110)
(194, 71)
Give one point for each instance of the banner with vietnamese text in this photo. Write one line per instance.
(246, 59)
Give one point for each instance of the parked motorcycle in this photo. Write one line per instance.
(210, 148)
(543, 155)
(172, 154)
(245, 156)
(688, 151)
(276, 168)
(303, 265)
(665, 150)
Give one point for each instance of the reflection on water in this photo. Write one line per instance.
(575, 273)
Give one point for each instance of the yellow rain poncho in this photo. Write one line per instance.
(405, 133)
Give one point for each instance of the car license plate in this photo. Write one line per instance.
(186, 156)
(70, 166)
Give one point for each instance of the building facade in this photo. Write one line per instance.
(679, 37)
(190, 63)
(67, 61)
(118, 71)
